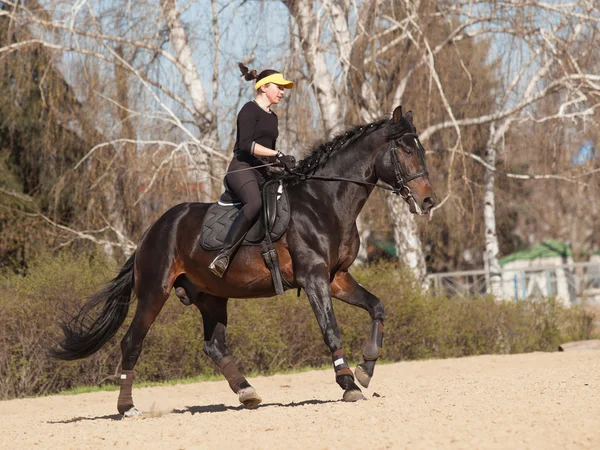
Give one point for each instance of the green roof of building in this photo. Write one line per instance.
(547, 249)
(387, 246)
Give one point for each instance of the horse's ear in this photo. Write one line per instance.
(409, 116)
(397, 114)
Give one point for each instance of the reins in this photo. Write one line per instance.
(401, 177)
(304, 177)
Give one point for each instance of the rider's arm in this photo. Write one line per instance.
(246, 123)
(261, 150)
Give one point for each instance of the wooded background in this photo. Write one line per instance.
(112, 111)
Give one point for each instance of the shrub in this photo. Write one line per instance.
(264, 335)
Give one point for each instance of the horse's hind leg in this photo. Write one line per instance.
(149, 305)
(347, 289)
(214, 317)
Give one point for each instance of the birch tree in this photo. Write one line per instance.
(339, 86)
(542, 37)
(206, 122)
(479, 76)
(126, 63)
(533, 44)
(370, 39)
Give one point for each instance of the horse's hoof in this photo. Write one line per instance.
(363, 377)
(249, 398)
(132, 412)
(353, 395)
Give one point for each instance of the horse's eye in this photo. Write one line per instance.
(408, 150)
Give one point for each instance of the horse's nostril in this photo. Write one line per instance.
(428, 203)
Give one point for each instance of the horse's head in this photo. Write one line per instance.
(403, 165)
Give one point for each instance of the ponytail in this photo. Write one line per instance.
(248, 75)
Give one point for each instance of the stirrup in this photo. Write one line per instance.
(219, 265)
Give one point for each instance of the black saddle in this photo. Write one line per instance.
(218, 218)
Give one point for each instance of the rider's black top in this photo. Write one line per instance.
(254, 126)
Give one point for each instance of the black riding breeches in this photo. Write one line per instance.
(245, 183)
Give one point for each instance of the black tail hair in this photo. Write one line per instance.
(85, 335)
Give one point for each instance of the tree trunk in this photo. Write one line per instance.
(406, 237)
(492, 249)
(122, 182)
(352, 53)
(191, 79)
(363, 235)
(321, 80)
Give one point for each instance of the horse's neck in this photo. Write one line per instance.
(355, 163)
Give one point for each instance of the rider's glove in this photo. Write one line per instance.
(286, 160)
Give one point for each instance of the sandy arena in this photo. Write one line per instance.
(538, 400)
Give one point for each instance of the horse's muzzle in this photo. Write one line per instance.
(422, 207)
(427, 204)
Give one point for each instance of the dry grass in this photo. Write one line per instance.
(265, 335)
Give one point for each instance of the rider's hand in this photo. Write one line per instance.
(286, 160)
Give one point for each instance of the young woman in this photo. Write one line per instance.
(257, 131)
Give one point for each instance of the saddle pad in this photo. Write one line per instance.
(219, 217)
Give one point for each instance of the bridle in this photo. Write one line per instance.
(400, 173)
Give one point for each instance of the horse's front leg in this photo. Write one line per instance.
(316, 285)
(347, 289)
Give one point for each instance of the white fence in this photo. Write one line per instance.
(573, 283)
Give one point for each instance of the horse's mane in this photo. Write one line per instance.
(320, 153)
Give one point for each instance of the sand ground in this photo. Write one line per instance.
(537, 400)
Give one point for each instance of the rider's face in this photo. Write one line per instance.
(274, 93)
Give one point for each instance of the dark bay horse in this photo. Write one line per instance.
(327, 193)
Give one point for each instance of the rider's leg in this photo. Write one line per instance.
(245, 186)
(234, 238)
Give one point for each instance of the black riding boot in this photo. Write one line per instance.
(235, 236)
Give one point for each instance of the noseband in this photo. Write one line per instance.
(400, 172)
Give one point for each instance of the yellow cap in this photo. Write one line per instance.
(276, 78)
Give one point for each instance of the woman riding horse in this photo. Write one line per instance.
(317, 249)
(257, 132)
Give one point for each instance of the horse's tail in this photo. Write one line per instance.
(85, 335)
